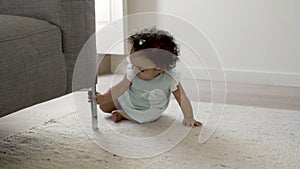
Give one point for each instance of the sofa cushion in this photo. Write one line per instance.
(32, 65)
(15, 27)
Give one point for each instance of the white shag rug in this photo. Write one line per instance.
(247, 137)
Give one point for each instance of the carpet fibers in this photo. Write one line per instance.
(247, 137)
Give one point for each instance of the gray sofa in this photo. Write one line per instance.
(39, 44)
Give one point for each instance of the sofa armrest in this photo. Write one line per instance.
(75, 18)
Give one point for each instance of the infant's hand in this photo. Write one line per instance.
(191, 122)
(97, 96)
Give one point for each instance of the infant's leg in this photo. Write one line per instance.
(109, 107)
(113, 108)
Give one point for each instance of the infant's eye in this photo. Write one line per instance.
(140, 69)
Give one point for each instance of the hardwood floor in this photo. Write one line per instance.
(281, 97)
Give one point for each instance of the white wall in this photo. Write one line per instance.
(258, 40)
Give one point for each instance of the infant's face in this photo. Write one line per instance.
(147, 74)
(144, 67)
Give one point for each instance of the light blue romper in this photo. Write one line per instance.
(145, 100)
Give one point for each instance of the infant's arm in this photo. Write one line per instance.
(186, 107)
(120, 88)
(114, 92)
(183, 102)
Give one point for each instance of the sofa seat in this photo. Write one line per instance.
(32, 62)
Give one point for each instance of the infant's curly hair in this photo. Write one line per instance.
(166, 56)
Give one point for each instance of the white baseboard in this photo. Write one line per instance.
(241, 76)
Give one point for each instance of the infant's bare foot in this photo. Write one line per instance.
(116, 116)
